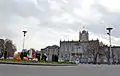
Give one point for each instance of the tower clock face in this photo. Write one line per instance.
(83, 34)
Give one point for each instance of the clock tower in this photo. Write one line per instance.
(83, 35)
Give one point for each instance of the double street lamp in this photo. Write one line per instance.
(110, 50)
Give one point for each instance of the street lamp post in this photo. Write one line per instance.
(109, 33)
(24, 38)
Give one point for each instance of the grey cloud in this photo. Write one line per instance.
(25, 9)
(43, 12)
(7, 33)
(111, 19)
(11, 8)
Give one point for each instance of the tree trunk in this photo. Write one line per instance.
(95, 58)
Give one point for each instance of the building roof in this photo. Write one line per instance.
(115, 46)
(50, 47)
(79, 41)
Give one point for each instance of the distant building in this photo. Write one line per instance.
(115, 53)
(70, 50)
(83, 49)
(50, 50)
(76, 49)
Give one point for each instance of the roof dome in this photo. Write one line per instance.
(84, 31)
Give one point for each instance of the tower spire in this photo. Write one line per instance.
(83, 27)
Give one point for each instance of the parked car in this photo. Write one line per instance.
(60, 60)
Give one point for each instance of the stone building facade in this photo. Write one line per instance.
(50, 50)
(70, 50)
(83, 48)
(116, 53)
(106, 54)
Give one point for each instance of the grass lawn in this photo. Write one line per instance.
(38, 62)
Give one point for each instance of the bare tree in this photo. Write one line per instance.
(14, 48)
(1, 47)
(103, 53)
(10, 48)
(93, 50)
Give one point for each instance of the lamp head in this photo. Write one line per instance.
(24, 32)
(109, 29)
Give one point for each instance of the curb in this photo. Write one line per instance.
(35, 64)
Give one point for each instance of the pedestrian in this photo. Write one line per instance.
(77, 61)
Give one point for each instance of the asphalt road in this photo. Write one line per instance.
(81, 70)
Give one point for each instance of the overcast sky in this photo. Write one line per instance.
(48, 21)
